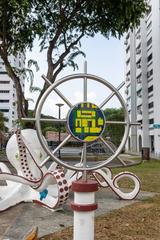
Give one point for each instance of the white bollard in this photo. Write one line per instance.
(84, 206)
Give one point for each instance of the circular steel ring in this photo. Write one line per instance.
(38, 126)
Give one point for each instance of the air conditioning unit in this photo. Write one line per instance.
(138, 65)
(139, 111)
(148, 74)
(138, 51)
(126, 91)
(138, 36)
(125, 42)
(139, 81)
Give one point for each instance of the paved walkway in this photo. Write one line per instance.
(17, 221)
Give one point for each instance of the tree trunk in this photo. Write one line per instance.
(50, 77)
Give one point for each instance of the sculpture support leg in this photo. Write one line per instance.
(84, 206)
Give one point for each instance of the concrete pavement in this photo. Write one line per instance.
(17, 221)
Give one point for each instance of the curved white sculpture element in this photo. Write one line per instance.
(105, 179)
(47, 187)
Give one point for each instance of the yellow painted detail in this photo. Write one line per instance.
(84, 123)
(85, 116)
(90, 138)
(78, 130)
(100, 121)
(93, 113)
(86, 130)
(78, 113)
(93, 123)
(82, 105)
(94, 106)
(86, 112)
(95, 130)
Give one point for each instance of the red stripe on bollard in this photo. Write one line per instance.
(84, 208)
(84, 186)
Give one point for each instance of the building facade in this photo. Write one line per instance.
(8, 99)
(142, 91)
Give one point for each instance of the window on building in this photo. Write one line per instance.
(138, 64)
(140, 121)
(149, 41)
(4, 82)
(151, 121)
(4, 100)
(149, 25)
(127, 49)
(139, 93)
(4, 110)
(150, 89)
(3, 72)
(128, 34)
(149, 58)
(149, 73)
(139, 109)
(139, 78)
(149, 10)
(128, 61)
(4, 91)
(138, 36)
(150, 105)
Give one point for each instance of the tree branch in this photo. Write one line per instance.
(61, 66)
(64, 54)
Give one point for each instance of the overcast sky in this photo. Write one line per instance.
(105, 58)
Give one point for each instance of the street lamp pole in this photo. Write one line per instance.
(59, 105)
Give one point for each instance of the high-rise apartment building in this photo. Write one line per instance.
(8, 99)
(142, 47)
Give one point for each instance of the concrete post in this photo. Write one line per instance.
(84, 206)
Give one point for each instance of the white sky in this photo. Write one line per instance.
(105, 58)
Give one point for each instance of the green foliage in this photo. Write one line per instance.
(109, 17)
(115, 132)
(15, 25)
(63, 21)
(60, 26)
(45, 126)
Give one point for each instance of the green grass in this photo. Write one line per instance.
(148, 172)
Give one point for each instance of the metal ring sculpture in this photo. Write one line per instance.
(35, 181)
(85, 77)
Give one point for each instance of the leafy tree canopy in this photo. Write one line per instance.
(115, 132)
(60, 25)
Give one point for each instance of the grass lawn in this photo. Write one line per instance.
(148, 173)
(139, 221)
